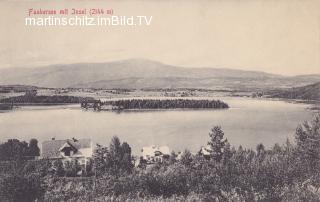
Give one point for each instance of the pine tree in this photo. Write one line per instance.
(216, 143)
(261, 152)
(173, 158)
(308, 144)
(115, 148)
(100, 160)
(33, 148)
(227, 152)
(126, 158)
(186, 158)
(119, 158)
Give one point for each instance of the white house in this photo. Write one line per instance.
(68, 150)
(205, 151)
(154, 153)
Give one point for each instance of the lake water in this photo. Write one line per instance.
(247, 122)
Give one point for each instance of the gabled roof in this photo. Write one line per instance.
(51, 148)
(67, 145)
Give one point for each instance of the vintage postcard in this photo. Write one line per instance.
(212, 100)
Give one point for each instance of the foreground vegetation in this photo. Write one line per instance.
(289, 172)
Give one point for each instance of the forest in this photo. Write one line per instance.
(287, 172)
(42, 99)
(166, 104)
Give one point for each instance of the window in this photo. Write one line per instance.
(67, 152)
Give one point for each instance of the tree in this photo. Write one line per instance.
(115, 154)
(115, 146)
(58, 168)
(13, 149)
(277, 149)
(100, 160)
(33, 148)
(227, 152)
(114, 160)
(186, 158)
(126, 159)
(261, 152)
(216, 143)
(173, 158)
(17, 188)
(308, 146)
(71, 168)
(142, 163)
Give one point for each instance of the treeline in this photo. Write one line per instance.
(14, 150)
(309, 92)
(54, 99)
(16, 88)
(166, 104)
(288, 172)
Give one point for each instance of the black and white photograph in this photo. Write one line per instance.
(160, 100)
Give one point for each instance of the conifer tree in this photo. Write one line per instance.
(216, 143)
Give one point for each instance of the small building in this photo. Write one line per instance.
(205, 151)
(68, 150)
(153, 154)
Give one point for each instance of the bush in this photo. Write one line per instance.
(18, 188)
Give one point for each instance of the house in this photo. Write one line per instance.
(205, 151)
(153, 154)
(68, 150)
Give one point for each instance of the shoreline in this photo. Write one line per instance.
(312, 105)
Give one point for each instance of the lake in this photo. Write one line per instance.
(247, 122)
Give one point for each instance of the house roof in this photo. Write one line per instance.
(205, 150)
(67, 145)
(151, 150)
(51, 148)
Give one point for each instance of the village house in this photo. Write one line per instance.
(153, 154)
(68, 150)
(205, 151)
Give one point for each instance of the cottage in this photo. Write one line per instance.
(68, 150)
(205, 151)
(154, 153)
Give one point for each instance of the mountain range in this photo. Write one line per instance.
(141, 73)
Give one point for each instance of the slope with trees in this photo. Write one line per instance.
(288, 172)
(309, 92)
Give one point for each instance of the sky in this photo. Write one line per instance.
(276, 36)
